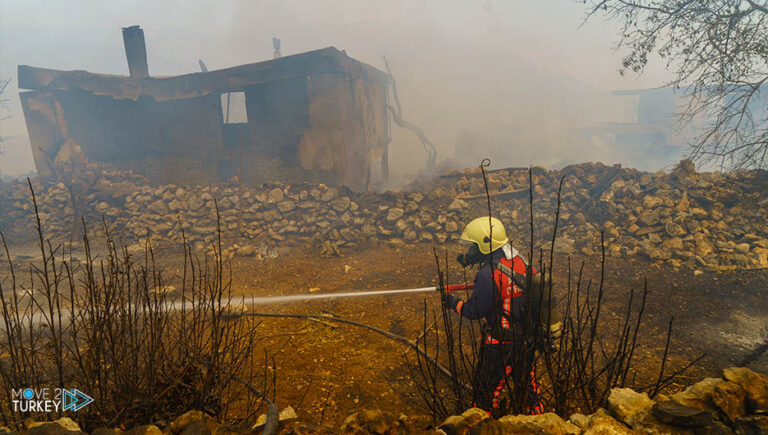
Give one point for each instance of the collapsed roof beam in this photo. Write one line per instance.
(135, 51)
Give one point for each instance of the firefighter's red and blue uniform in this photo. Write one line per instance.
(504, 354)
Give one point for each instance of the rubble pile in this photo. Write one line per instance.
(700, 220)
(734, 404)
(703, 220)
(275, 214)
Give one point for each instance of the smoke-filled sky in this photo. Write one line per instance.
(519, 73)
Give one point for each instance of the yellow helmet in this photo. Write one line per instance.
(479, 231)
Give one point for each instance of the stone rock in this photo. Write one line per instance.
(275, 195)
(649, 218)
(467, 419)
(700, 212)
(102, 207)
(754, 384)
(370, 422)
(200, 427)
(496, 427)
(751, 425)
(549, 422)
(601, 423)
(674, 230)
(743, 248)
(195, 202)
(650, 201)
(457, 205)
(683, 170)
(730, 398)
(650, 251)
(185, 419)
(673, 244)
(368, 230)
(716, 428)
(288, 414)
(395, 213)
(626, 403)
(159, 207)
(340, 204)
(62, 425)
(149, 429)
(760, 255)
(271, 215)
(329, 194)
(698, 395)
(586, 250)
(246, 251)
(673, 413)
(286, 206)
(580, 420)
(175, 205)
(635, 409)
(451, 227)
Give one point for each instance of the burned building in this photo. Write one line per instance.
(319, 115)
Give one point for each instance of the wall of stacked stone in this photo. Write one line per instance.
(702, 220)
(275, 214)
(684, 218)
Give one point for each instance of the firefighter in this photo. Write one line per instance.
(515, 317)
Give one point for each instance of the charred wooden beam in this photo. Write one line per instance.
(135, 51)
(323, 61)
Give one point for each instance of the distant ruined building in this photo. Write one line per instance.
(653, 135)
(315, 116)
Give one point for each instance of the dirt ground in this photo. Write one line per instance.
(327, 371)
(342, 369)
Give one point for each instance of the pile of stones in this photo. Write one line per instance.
(268, 215)
(737, 403)
(700, 220)
(707, 220)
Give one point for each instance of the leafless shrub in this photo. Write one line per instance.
(716, 52)
(575, 371)
(105, 325)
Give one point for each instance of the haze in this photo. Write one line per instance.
(522, 72)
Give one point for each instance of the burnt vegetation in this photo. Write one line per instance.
(109, 324)
(575, 371)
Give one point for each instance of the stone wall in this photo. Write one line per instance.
(275, 214)
(684, 218)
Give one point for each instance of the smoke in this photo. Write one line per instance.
(519, 75)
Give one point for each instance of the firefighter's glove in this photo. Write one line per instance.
(450, 301)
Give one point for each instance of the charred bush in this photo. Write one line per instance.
(108, 324)
(573, 371)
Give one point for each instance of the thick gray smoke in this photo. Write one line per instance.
(516, 78)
